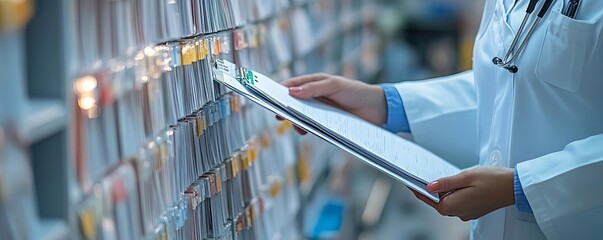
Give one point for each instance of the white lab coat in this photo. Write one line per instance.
(546, 120)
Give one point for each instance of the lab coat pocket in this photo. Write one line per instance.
(564, 51)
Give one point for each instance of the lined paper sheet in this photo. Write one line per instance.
(405, 155)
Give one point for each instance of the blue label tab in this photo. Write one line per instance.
(226, 106)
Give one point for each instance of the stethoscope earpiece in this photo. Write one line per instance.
(499, 62)
(513, 52)
(512, 68)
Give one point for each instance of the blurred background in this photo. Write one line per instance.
(91, 91)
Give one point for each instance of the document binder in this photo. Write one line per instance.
(413, 165)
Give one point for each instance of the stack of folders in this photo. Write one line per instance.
(110, 29)
(162, 152)
(395, 156)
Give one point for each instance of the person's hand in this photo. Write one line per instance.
(472, 193)
(363, 100)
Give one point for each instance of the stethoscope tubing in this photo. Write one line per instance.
(506, 62)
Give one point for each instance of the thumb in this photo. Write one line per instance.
(447, 184)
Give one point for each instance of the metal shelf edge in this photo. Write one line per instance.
(46, 117)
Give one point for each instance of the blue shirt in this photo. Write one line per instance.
(521, 201)
(396, 114)
(397, 121)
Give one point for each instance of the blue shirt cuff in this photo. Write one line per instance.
(396, 114)
(521, 201)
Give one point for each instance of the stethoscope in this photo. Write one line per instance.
(507, 63)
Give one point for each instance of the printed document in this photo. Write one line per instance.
(390, 153)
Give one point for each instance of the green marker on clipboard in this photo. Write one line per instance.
(250, 78)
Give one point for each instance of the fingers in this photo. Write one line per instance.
(300, 80)
(444, 208)
(453, 204)
(425, 199)
(468, 218)
(311, 86)
(299, 130)
(316, 89)
(447, 184)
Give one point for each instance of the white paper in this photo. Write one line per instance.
(388, 152)
(408, 156)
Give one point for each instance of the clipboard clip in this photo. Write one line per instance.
(241, 74)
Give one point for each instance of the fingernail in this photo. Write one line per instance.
(295, 89)
(434, 186)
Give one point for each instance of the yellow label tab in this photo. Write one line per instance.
(218, 45)
(275, 189)
(193, 52)
(186, 58)
(199, 127)
(253, 156)
(87, 224)
(233, 103)
(235, 166)
(253, 149)
(163, 148)
(283, 127)
(249, 158)
(199, 48)
(218, 183)
(251, 215)
(303, 164)
(265, 139)
(205, 47)
(244, 159)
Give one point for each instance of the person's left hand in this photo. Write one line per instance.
(473, 193)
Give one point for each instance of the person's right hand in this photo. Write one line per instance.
(363, 100)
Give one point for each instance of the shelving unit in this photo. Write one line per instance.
(45, 61)
(29, 119)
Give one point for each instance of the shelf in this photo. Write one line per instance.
(46, 117)
(53, 229)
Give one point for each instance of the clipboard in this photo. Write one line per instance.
(248, 83)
